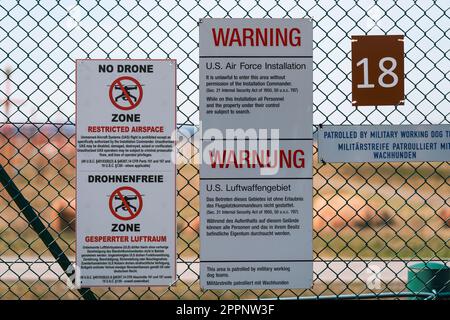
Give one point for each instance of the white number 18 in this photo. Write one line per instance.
(385, 72)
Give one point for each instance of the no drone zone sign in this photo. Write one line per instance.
(125, 174)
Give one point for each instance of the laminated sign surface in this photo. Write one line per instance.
(125, 176)
(256, 172)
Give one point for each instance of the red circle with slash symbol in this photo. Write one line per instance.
(120, 203)
(123, 87)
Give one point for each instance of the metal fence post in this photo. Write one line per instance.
(38, 226)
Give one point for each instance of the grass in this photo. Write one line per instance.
(187, 291)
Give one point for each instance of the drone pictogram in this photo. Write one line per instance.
(125, 203)
(125, 93)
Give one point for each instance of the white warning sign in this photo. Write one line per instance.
(384, 143)
(126, 191)
(256, 172)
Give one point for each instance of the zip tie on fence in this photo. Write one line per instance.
(37, 225)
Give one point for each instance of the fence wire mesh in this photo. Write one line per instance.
(370, 220)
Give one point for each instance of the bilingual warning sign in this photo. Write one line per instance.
(256, 172)
(126, 192)
(125, 93)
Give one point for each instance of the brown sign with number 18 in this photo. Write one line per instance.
(378, 70)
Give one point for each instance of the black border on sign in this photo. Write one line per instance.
(174, 61)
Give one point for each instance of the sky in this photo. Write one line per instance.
(40, 41)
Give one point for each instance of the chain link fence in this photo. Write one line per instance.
(370, 220)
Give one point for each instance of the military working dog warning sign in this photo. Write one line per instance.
(125, 174)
